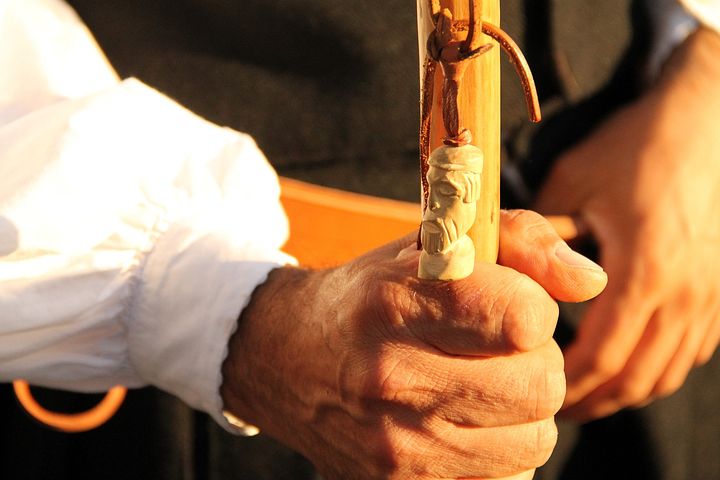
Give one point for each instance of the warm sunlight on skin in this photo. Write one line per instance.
(409, 378)
(648, 185)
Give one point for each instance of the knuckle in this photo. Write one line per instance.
(447, 308)
(540, 441)
(395, 307)
(605, 366)
(632, 392)
(460, 299)
(391, 381)
(530, 315)
(445, 300)
(547, 436)
(386, 297)
(548, 385)
(388, 379)
(526, 222)
(667, 386)
(703, 357)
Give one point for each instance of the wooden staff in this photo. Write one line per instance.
(479, 104)
(470, 104)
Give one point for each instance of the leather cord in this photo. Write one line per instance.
(454, 57)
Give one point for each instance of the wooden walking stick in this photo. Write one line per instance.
(461, 177)
(464, 173)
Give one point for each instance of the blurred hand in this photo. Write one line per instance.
(372, 373)
(648, 185)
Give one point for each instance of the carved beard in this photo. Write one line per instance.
(438, 235)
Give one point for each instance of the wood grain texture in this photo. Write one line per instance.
(479, 107)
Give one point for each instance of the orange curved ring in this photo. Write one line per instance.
(71, 422)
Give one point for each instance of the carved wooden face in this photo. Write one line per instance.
(451, 207)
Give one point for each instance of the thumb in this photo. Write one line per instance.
(530, 245)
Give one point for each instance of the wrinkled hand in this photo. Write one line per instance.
(648, 186)
(372, 373)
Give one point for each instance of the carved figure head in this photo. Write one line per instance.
(454, 187)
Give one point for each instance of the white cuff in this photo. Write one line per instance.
(192, 289)
(706, 11)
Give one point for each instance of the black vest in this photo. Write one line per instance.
(330, 90)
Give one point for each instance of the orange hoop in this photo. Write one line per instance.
(71, 422)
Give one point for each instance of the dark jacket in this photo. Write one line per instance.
(330, 91)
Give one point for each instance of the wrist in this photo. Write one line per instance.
(255, 372)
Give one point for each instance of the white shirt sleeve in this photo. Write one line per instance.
(706, 11)
(132, 232)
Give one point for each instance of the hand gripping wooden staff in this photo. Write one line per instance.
(461, 177)
(463, 187)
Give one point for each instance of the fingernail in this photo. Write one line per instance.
(574, 259)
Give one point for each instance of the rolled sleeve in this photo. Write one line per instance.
(133, 234)
(191, 292)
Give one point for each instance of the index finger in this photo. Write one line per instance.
(495, 311)
(608, 334)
